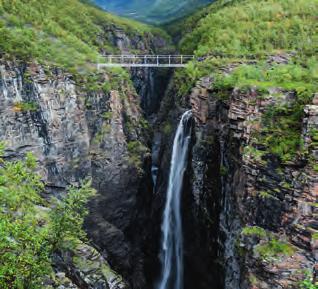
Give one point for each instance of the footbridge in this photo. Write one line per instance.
(146, 61)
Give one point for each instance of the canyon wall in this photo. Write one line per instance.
(77, 132)
(250, 219)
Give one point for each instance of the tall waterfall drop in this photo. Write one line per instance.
(172, 240)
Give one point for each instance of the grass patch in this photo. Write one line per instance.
(136, 150)
(254, 231)
(273, 249)
(25, 107)
(65, 33)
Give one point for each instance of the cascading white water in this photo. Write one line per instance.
(172, 240)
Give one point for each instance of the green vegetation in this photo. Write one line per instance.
(315, 236)
(224, 171)
(254, 231)
(167, 128)
(308, 283)
(273, 249)
(244, 27)
(268, 247)
(66, 33)
(136, 152)
(67, 217)
(26, 106)
(238, 37)
(29, 231)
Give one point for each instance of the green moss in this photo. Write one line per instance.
(100, 135)
(252, 279)
(26, 106)
(273, 249)
(307, 283)
(107, 115)
(136, 151)
(314, 236)
(224, 171)
(282, 129)
(167, 128)
(254, 153)
(266, 195)
(254, 231)
(314, 135)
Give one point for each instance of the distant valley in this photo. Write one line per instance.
(152, 11)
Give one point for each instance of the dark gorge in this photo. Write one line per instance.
(198, 177)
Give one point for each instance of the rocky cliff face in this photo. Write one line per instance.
(255, 191)
(75, 135)
(79, 132)
(249, 218)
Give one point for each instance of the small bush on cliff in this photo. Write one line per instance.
(29, 230)
(136, 151)
(254, 231)
(26, 106)
(274, 248)
(67, 217)
(308, 282)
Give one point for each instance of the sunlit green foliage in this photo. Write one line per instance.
(281, 132)
(254, 231)
(67, 33)
(308, 282)
(238, 37)
(67, 217)
(243, 27)
(274, 248)
(29, 230)
(25, 106)
(24, 246)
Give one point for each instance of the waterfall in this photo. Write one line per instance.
(172, 240)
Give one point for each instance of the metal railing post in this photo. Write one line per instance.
(169, 60)
(157, 60)
(181, 59)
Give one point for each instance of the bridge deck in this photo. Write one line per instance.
(101, 65)
(146, 61)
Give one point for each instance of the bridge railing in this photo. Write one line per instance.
(147, 60)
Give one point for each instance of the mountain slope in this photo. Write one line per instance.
(254, 94)
(249, 26)
(53, 32)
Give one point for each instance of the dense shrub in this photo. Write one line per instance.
(29, 230)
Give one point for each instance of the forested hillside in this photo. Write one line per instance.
(53, 32)
(197, 177)
(245, 35)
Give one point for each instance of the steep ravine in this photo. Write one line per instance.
(122, 138)
(79, 132)
(225, 207)
(75, 134)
